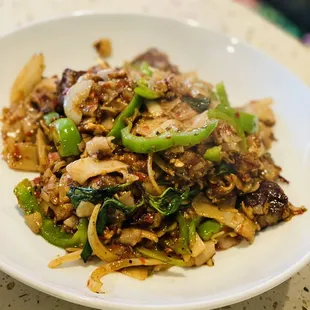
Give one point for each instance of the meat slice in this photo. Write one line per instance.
(69, 78)
(268, 205)
(156, 59)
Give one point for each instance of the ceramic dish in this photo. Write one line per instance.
(239, 273)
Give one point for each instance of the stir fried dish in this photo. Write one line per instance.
(140, 166)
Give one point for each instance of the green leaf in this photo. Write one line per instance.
(198, 104)
(102, 220)
(78, 194)
(170, 200)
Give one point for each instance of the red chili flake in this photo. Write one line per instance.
(37, 194)
(142, 260)
(237, 114)
(142, 177)
(53, 156)
(28, 133)
(16, 153)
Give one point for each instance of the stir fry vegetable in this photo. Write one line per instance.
(167, 140)
(198, 104)
(208, 228)
(144, 91)
(119, 122)
(141, 166)
(49, 231)
(49, 118)
(213, 154)
(66, 137)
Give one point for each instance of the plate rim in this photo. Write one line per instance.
(103, 303)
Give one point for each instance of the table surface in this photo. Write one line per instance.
(227, 17)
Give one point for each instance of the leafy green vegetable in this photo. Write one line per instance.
(225, 168)
(101, 223)
(78, 194)
(102, 220)
(197, 104)
(170, 200)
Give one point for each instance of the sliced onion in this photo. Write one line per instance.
(83, 169)
(140, 273)
(154, 108)
(73, 256)
(207, 254)
(100, 144)
(227, 242)
(151, 174)
(104, 74)
(163, 165)
(85, 209)
(197, 247)
(98, 248)
(73, 99)
(34, 221)
(94, 283)
(238, 221)
(131, 236)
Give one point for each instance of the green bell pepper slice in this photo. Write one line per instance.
(49, 231)
(25, 196)
(249, 122)
(221, 93)
(66, 137)
(145, 68)
(213, 154)
(129, 111)
(52, 234)
(49, 118)
(165, 141)
(208, 228)
(144, 91)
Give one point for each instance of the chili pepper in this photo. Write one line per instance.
(52, 234)
(48, 230)
(129, 111)
(229, 115)
(221, 92)
(213, 153)
(241, 121)
(183, 232)
(145, 68)
(66, 137)
(26, 198)
(249, 122)
(144, 91)
(208, 228)
(49, 118)
(166, 140)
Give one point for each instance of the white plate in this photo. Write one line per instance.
(239, 273)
